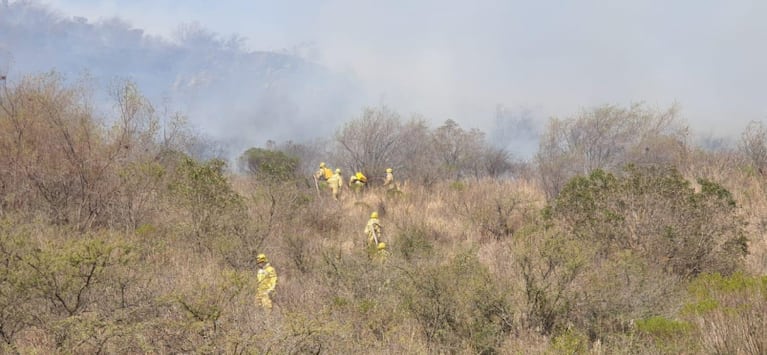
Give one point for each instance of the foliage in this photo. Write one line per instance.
(570, 342)
(211, 207)
(656, 213)
(662, 327)
(458, 305)
(495, 214)
(640, 234)
(64, 162)
(549, 262)
(729, 312)
(413, 242)
(458, 151)
(269, 165)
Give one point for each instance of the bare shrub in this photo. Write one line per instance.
(70, 163)
(753, 145)
(379, 140)
(495, 208)
(370, 144)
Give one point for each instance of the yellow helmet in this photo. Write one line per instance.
(388, 170)
(359, 175)
(261, 258)
(322, 165)
(381, 246)
(338, 171)
(374, 215)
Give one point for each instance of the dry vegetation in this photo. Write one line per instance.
(620, 238)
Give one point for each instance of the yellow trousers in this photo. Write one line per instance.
(334, 191)
(264, 299)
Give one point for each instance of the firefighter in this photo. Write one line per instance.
(323, 174)
(267, 281)
(335, 183)
(381, 255)
(357, 183)
(373, 229)
(389, 180)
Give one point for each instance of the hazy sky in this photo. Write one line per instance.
(459, 59)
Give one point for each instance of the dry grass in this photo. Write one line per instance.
(331, 297)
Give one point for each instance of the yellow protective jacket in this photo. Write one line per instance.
(267, 279)
(336, 180)
(323, 174)
(381, 256)
(389, 180)
(358, 178)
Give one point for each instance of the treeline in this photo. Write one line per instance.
(379, 138)
(621, 236)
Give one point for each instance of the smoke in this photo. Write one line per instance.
(461, 59)
(295, 71)
(236, 98)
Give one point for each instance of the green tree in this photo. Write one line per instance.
(269, 165)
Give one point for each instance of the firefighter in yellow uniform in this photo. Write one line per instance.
(389, 180)
(322, 175)
(335, 183)
(373, 229)
(357, 183)
(267, 281)
(382, 255)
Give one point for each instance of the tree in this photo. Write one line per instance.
(269, 165)
(462, 154)
(457, 150)
(608, 137)
(416, 160)
(369, 142)
(753, 144)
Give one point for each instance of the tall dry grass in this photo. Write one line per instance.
(449, 244)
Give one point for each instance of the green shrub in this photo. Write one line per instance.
(661, 327)
(729, 312)
(413, 242)
(668, 336)
(270, 166)
(570, 341)
(656, 212)
(457, 305)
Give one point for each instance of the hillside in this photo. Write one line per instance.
(212, 79)
(620, 237)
